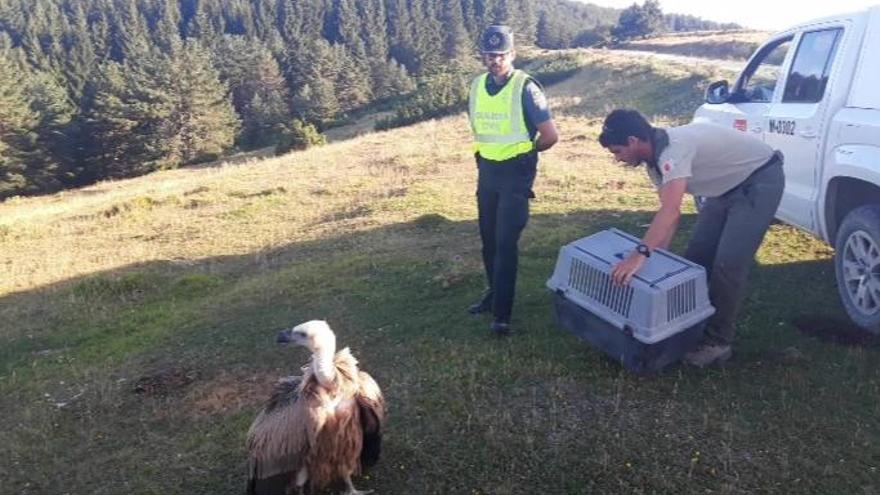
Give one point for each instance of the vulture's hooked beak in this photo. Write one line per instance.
(284, 336)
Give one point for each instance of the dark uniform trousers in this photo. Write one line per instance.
(727, 235)
(503, 193)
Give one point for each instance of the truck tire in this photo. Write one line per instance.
(857, 266)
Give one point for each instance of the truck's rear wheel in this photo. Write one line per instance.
(857, 266)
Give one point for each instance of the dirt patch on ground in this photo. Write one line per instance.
(164, 382)
(836, 331)
(230, 393)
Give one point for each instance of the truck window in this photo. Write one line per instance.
(759, 80)
(812, 63)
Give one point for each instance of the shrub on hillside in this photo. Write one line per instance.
(554, 69)
(298, 135)
(596, 37)
(436, 96)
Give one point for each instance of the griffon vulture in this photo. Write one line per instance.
(318, 428)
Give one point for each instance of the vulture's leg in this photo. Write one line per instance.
(301, 477)
(350, 490)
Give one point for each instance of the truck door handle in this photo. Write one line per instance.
(756, 129)
(809, 134)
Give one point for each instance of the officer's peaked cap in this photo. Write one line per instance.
(497, 39)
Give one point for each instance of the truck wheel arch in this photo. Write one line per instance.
(845, 194)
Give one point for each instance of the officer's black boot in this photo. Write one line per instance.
(484, 305)
(500, 326)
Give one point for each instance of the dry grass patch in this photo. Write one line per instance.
(733, 45)
(199, 213)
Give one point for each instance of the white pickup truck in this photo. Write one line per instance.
(813, 92)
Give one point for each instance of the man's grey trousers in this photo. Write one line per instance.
(727, 234)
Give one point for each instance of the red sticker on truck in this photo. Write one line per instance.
(740, 124)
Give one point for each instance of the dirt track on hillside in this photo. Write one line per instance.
(733, 65)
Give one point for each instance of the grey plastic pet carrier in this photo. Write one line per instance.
(647, 324)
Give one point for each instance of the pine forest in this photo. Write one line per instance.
(97, 89)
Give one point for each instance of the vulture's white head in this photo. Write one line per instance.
(315, 335)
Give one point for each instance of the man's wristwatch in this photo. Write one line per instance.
(644, 250)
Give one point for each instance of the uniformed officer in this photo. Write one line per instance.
(742, 179)
(511, 123)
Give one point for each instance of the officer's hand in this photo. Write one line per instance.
(624, 271)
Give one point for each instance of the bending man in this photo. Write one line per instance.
(742, 179)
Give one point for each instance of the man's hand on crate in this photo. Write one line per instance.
(623, 272)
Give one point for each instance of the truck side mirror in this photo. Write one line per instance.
(717, 92)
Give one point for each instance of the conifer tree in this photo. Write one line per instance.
(34, 112)
(201, 27)
(124, 120)
(638, 21)
(401, 32)
(373, 29)
(391, 78)
(352, 83)
(653, 16)
(57, 143)
(526, 22)
(456, 40)
(315, 97)
(428, 36)
(17, 119)
(159, 111)
(166, 25)
(502, 13)
(471, 22)
(131, 31)
(344, 26)
(259, 91)
(202, 123)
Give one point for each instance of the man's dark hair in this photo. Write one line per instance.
(622, 123)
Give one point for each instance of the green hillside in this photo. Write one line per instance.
(139, 318)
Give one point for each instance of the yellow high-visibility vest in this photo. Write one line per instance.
(498, 122)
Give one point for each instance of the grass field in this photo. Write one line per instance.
(138, 320)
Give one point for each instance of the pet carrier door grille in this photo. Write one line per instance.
(681, 300)
(597, 285)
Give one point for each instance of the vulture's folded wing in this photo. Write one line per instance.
(278, 439)
(372, 413)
